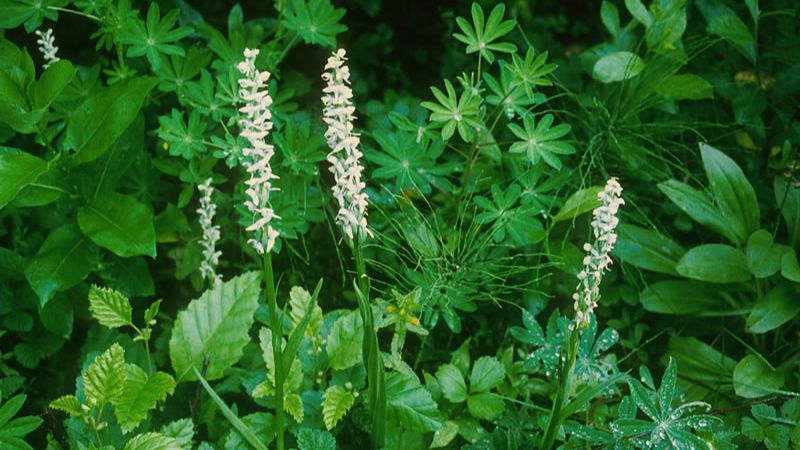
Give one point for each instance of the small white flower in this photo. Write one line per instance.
(338, 112)
(597, 259)
(211, 232)
(47, 46)
(256, 125)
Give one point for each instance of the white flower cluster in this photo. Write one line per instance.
(344, 156)
(256, 125)
(597, 259)
(211, 232)
(47, 46)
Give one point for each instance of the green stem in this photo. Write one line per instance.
(376, 388)
(554, 422)
(277, 352)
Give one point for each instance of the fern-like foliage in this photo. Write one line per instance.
(214, 326)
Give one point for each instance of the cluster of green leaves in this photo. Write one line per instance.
(480, 195)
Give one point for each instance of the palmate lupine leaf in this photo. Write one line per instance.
(507, 219)
(481, 34)
(315, 21)
(454, 112)
(412, 163)
(214, 326)
(531, 71)
(12, 431)
(540, 141)
(155, 37)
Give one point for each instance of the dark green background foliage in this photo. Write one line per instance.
(488, 130)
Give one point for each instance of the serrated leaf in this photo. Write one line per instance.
(485, 405)
(104, 379)
(335, 403)
(410, 405)
(311, 439)
(68, 404)
(119, 223)
(299, 302)
(454, 388)
(487, 372)
(181, 430)
(152, 441)
(140, 394)
(214, 326)
(293, 404)
(345, 341)
(110, 308)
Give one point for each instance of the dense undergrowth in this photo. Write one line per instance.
(372, 224)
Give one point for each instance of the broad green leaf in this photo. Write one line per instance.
(445, 435)
(732, 192)
(485, 405)
(140, 394)
(18, 170)
(763, 256)
(790, 269)
(293, 404)
(487, 373)
(609, 15)
(110, 308)
(11, 408)
(639, 12)
(753, 378)
(787, 197)
(65, 258)
(119, 223)
(311, 439)
(410, 405)
(714, 263)
(152, 441)
(68, 404)
(104, 379)
(300, 329)
(685, 87)
(699, 207)
(336, 402)
(214, 326)
(261, 427)
(700, 361)
(731, 28)
(679, 297)
(345, 341)
(647, 249)
(578, 203)
(52, 83)
(452, 383)
(774, 309)
(104, 116)
(618, 66)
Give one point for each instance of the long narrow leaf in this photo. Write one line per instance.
(246, 432)
(296, 337)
